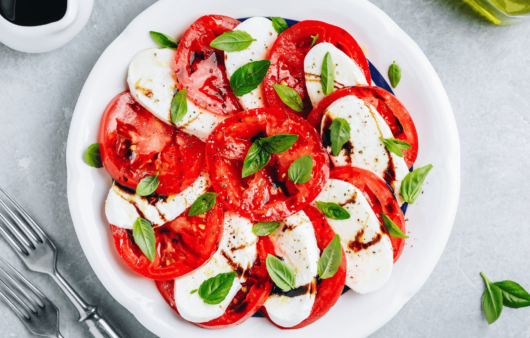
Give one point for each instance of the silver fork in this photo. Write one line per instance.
(40, 316)
(39, 254)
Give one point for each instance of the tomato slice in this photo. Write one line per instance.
(135, 144)
(391, 109)
(288, 53)
(379, 196)
(182, 245)
(330, 289)
(246, 302)
(200, 68)
(269, 194)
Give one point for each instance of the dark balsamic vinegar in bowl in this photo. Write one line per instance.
(32, 12)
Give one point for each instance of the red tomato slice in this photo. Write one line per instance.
(269, 194)
(330, 289)
(288, 53)
(379, 196)
(135, 144)
(246, 302)
(395, 114)
(201, 69)
(182, 245)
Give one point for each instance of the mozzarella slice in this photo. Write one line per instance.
(237, 252)
(260, 29)
(347, 72)
(123, 206)
(295, 242)
(364, 148)
(152, 82)
(368, 249)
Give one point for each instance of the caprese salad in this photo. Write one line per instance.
(256, 168)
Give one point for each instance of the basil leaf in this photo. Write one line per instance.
(394, 145)
(289, 96)
(256, 159)
(147, 185)
(277, 144)
(340, 134)
(202, 204)
(333, 210)
(232, 41)
(327, 76)
(513, 294)
(391, 227)
(248, 77)
(193, 291)
(301, 169)
(491, 301)
(329, 262)
(164, 40)
(315, 37)
(394, 74)
(279, 24)
(413, 183)
(144, 237)
(179, 106)
(282, 275)
(214, 290)
(265, 228)
(93, 156)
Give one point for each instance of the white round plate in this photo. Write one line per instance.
(430, 219)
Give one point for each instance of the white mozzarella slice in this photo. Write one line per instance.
(365, 149)
(295, 242)
(236, 250)
(260, 29)
(369, 266)
(123, 206)
(152, 82)
(347, 72)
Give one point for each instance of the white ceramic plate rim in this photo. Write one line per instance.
(420, 90)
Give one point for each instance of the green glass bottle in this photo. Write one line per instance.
(502, 12)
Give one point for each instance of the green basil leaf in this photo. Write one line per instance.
(214, 290)
(289, 96)
(232, 41)
(329, 262)
(394, 74)
(301, 169)
(147, 185)
(413, 183)
(248, 77)
(193, 291)
(144, 237)
(282, 275)
(179, 106)
(339, 134)
(279, 24)
(491, 301)
(256, 159)
(164, 40)
(391, 227)
(277, 144)
(265, 228)
(315, 37)
(333, 210)
(93, 156)
(327, 76)
(202, 204)
(394, 145)
(513, 294)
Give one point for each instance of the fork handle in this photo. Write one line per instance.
(97, 324)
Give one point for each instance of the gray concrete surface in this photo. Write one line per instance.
(486, 72)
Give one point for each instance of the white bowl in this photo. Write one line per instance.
(430, 219)
(45, 38)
